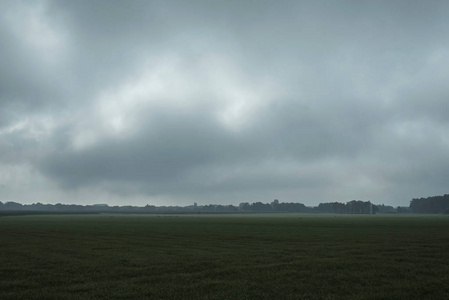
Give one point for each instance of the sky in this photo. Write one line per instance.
(223, 102)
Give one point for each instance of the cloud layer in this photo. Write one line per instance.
(156, 102)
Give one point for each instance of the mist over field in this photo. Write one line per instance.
(176, 102)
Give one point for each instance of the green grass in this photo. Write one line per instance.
(224, 257)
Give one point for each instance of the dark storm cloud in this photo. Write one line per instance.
(224, 101)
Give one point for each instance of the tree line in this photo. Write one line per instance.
(351, 207)
(429, 205)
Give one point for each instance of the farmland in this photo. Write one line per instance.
(282, 256)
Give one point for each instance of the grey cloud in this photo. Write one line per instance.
(167, 147)
(311, 100)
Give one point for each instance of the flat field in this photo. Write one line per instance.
(286, 256)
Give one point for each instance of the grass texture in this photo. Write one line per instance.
(287, 256)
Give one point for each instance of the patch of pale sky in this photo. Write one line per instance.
(165, 84)
(29, 23)
(37, 128)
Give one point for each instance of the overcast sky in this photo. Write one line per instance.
(175, 102)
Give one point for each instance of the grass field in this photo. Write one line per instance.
(224, 257)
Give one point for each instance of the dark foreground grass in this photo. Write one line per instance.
(224, 257)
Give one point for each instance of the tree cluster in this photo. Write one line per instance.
(274, 206)
(352, 207)
(430, 205)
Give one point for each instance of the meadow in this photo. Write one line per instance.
(273, 256)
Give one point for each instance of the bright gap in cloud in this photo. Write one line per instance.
(174, 86)
(29, 22)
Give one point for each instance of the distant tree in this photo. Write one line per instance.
(339, 208)
(12, 206)
(244, 206)
(403, 210)
(430, 205)
(385, 209)
(150, 207)
(260, 207)
(326, 208)
(293, 207)
(275, 205)
(232, 208)
(359, 207)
